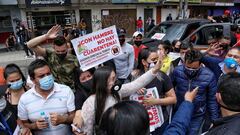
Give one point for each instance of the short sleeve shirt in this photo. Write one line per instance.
(62, 70)
(60, 100)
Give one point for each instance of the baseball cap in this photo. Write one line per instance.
(121, 32)
(230, 63)
(137, 33)
(227, 12)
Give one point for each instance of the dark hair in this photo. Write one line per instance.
(235, 47)
(166, 45)
(229, 88)
(100, 82)
(186, 45)
(143, 55)
(78, 85)
(192, 56)
(59, 41)
(125, 118)
(175, 41)
(13, 68)
(38, 63)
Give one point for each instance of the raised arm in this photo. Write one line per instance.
(130, 88)
(34, 43)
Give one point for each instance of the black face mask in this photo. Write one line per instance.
(62, 56)
(122, 41)
(116, 87)
(177, 50)
(137, 43)
(190, 73)
(88, 85)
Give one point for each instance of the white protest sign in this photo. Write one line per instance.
(158, 36)
(98, 47)
(155, 112)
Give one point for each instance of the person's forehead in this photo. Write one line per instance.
(234, 52)
(42, 70)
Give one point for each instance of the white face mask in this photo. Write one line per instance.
(3, 104)
(151, 65)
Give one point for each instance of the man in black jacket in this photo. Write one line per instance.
(228, 98)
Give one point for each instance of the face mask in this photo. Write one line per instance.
(191, 73)
(122, 41)
(177, 50)
(47, 82)
(16, 85)
(3, 104)
(88, 85)
(62, 56)
(151, 65)
(137, 43)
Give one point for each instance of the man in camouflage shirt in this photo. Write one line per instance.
(61, 63)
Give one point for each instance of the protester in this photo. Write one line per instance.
(169, 17)
(48, 107)
(217, 64)
(184, 47)
(11, 42)
(165, 48)
(191, 75)
(146, 60)
(17, 85)
(151, 25)
(228, 98)
(137, 44)
(176, 46)
(140, 24)
(61, 63)
(70, 48)
(82, 26)
(132, 118)
(221, 19)
(124, 63)
(105, 86)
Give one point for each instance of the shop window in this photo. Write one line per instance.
(5, 22)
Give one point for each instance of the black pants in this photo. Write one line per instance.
(27, 50)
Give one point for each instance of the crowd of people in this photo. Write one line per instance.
(198, 92)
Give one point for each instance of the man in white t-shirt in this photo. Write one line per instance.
(48, 107)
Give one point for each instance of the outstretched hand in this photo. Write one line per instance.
(53, 32)
(213, 48)
(158, 65)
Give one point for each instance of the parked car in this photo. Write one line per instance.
(171, 30)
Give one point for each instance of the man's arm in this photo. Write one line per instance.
(212, 104)
(34, 43)
(131, 60)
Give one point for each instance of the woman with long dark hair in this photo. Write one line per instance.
(104, 82)
(146, 60)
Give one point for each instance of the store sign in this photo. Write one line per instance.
(42, 3)
(8, 2)
(189, 1)
(223, 4)
(136, 1)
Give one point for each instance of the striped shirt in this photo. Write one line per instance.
(60, 100)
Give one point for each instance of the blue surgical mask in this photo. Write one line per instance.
(47, 82)
(16, 85)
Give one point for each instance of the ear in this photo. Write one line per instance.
(144, 62)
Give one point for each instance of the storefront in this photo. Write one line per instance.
(9, 12)
(43, 14)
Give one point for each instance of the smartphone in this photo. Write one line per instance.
(77, 129)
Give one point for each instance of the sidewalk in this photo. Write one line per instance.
(16, 57)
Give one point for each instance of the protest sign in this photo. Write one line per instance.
(98, 47)
(155, 112)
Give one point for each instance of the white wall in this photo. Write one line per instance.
(166, 11)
